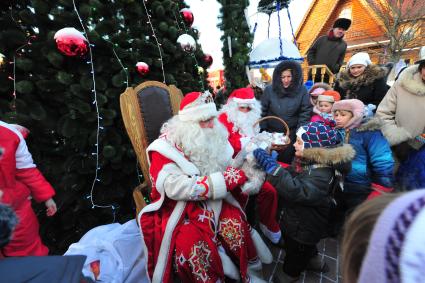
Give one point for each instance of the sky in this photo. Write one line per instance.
(206, 19)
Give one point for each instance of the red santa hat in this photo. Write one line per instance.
(242, 96)
(197, 106)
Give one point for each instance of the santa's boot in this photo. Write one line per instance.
(255, 272)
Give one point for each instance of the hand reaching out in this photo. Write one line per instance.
(51, 207)
(266, 161)
(234, 178)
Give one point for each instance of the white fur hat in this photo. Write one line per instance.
(361, 58)
(421, 55)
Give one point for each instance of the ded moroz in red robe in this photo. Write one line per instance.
(194, 227)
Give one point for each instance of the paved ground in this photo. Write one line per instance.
(328, 250)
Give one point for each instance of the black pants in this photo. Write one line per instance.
(297, 256)
(346, 203)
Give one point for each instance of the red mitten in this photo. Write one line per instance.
(234, 177)
(378, 190)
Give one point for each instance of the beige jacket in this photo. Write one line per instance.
(403, 108)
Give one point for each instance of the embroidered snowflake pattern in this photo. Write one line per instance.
(200, 260)
(232, 175)
(230, 230)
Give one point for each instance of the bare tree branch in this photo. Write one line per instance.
(402, 22)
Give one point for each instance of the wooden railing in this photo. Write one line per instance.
(318, 73)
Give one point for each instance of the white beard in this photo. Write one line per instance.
(203, 147)
(243, 122)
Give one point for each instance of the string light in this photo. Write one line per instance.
(120, 62)
(95, 103)
(191, 53)
(156, 39)
(13, 78)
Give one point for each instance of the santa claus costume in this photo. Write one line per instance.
(20, 180)
(240, 126)
(194, 229)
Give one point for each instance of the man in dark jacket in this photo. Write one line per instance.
(330, 49)
(286, 98)
(307, 193)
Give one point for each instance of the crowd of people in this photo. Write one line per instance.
(350, 147)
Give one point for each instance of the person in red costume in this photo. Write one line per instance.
(19, 180)
(194, 229)
(239, 115)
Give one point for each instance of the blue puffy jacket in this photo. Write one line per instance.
(373, 162)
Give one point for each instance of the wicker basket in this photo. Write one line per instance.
(277, 147)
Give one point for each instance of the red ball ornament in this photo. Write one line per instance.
(187, 16)
(71, 42)
(142, 68)
(208, 60)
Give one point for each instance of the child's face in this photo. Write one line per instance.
(342, 117)
(299, 147)
(324, 106)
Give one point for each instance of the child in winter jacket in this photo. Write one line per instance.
(307, 192)
(20, 180)
(323, 109)
(372, 167)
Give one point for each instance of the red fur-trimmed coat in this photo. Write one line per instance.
(20, 180)
(177, 189)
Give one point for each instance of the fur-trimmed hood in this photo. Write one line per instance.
(371, 73)
(297, 78)
(332, 156)
(411, 80)
(371, 125)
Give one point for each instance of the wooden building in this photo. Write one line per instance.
(365, 34)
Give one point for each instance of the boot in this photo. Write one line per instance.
(316, 264)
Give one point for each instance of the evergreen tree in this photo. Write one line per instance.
(235, 28)
(54, 98)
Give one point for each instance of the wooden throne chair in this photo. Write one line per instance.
(144, 109)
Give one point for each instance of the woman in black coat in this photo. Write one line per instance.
(362, 80)
(286, 98)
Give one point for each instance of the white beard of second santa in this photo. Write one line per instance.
(206, 148)
(244, 122)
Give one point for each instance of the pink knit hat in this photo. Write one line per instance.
(355, 106)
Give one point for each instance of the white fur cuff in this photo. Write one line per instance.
(218, 186)
(395, 135)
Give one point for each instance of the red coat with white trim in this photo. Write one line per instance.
(235, 137)
(177, 191)
(20, 179)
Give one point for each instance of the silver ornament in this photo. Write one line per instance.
(187, 42)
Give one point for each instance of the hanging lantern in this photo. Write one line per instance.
(186, 42)
(187, 16)
(208, 60)
(142, 68)
(71, 42)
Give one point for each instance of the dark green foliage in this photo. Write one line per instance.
(241, 40)
(54, 99)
